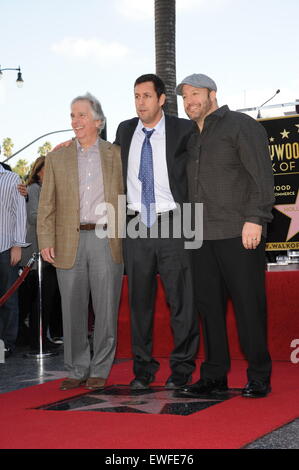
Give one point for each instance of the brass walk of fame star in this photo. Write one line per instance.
(152, 403)
(155, 400)
(291, 211)
(285, 134)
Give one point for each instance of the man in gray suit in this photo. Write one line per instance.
(85, 248)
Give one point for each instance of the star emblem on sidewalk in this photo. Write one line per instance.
(156, 400)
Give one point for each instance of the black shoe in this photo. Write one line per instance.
(205, 387)
(50, 345)
(142, 382)
(174, 383)
(57, 340)
(256, 389)
(47, 346)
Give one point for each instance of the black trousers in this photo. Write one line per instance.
(225, 268)
(144, 259)
(51, 306)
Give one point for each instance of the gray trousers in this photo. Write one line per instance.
(94, 272)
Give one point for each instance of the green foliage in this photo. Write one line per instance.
(44, 149)
(22, 168)
(7, 146)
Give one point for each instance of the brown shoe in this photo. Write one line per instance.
(68, 384)
(94, 383)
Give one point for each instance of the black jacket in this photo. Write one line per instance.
(230, 172)
(178, 132)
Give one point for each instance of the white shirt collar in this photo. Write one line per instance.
(82, 149)
(159, 127)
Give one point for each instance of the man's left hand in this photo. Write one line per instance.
(251, 235)
(22, 188)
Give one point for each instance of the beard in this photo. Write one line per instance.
(201, 110)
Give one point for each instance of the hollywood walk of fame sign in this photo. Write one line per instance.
(283, 134)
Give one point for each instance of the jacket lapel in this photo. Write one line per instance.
(170, 134)
(107, 166)
(72, 171)
(125, 147)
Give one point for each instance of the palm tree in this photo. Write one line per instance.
(7, 145)
(165, 50)
(44, 149)
(22, 168)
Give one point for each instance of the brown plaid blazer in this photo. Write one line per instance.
(58, 221)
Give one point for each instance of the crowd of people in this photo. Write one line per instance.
(216, 161)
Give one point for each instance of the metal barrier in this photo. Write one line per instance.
(40, 354)
(2, 352)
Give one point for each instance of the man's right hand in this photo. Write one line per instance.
(48, 254)
(15, 255)
(63, 144)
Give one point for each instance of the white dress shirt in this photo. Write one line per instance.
(12, 212)
(91, 185)
(163, 197)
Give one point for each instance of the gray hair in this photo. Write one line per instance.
(96, 108)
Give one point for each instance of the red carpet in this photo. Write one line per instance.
(228, 425)
(283, 319)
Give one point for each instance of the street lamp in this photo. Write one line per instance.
(19, 80)
(35, 140)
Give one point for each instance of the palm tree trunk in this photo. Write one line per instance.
(165, 50)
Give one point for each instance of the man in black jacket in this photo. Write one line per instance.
(230, 172)
(153, 155)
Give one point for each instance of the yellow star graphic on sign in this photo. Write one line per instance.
(297, 125)
(272, 139)
(285, 134)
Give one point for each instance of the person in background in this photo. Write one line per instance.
(22, 188)
(28, 291)
(230, 172)
(12, 238)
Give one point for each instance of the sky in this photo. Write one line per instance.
(66, 48)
